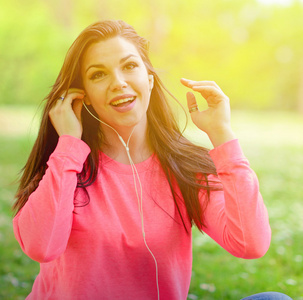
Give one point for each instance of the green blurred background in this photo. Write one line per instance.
(253, 49)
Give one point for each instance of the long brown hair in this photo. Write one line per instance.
(180, 159)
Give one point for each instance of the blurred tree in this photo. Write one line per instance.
(31, 47)
(253, 51)
(62, 11)
(300, 93)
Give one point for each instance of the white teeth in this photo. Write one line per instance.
(122, 101)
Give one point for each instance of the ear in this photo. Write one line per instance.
(151, 81)
(86, 100)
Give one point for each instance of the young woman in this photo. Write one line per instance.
(111, 189)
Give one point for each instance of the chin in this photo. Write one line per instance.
(133, 121)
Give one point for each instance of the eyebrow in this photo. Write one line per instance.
(102, 66)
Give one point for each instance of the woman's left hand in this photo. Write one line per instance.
(214, 121)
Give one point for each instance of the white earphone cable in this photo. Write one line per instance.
(139, 197)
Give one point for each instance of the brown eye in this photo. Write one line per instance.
(130, 66)
(97, 75)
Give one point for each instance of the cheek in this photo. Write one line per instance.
(95, 94)
(144, 86)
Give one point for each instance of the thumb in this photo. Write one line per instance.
(191, 100)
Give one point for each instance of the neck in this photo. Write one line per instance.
(138, 144)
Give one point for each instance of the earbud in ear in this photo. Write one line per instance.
(86, 100)
(151, 81)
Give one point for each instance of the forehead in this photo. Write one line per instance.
(110, 50)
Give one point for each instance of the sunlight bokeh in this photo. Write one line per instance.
(253, 50)
(280, 2)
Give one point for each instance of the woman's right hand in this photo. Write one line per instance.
(65, 115)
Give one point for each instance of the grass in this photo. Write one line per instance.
(17, 271)
(273, 142)
(281, 268)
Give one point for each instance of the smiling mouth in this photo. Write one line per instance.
(123, 102)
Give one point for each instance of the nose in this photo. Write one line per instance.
(118, 82)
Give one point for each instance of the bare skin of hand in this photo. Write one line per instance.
(215, 120)
(65, 115)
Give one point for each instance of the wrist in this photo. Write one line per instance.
(221, 136)
(72, 134)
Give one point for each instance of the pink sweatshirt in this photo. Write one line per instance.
(97, 251)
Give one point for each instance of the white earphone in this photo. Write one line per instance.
(139, 197)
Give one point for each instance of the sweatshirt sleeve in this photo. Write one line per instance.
(42, 227)
(236, 218)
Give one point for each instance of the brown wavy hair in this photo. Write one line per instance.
(180, 159)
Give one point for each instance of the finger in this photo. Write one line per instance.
(70, 91)
(185, 82)
(191, 83)
(210, 93)
(188, 83)
(191, 102)
(73, 90)
(66, 104)
(77, 107)
(68, 100)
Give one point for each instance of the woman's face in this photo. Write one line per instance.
(116, 82)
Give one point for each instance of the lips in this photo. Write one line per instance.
(123, 103)
(122, 100)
